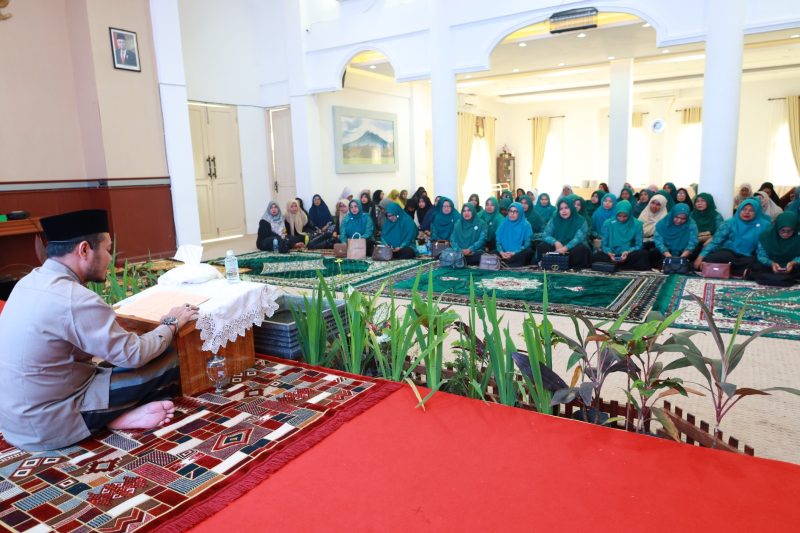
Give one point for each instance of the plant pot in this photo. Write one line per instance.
(591, 415)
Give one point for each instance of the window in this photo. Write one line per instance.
(781, 168)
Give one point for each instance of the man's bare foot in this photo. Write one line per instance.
(146, 416)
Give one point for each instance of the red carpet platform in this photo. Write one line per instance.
(467, 466)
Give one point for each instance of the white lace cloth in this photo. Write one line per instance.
(232, 308)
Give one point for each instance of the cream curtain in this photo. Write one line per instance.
(466, 136)
(793, 106)
(540, 127)
(489, 136)
(692, 115)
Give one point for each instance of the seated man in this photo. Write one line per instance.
(51, 328)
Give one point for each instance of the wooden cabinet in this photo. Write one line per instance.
(506, 170)
(218, 170)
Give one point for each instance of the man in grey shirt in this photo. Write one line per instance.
(53, 394)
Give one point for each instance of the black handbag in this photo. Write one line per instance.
(604, 266)
(555, 261)
(437, 247)
(382, 253)
(489, 262)
(452, 258)
(676, 265)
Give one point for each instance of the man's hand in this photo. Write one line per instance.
(184, 314)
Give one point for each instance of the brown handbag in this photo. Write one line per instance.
(382, 253)
(716, 270)
(437, 247)
(340, 250)
(356, 247)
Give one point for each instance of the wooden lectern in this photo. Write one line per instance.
(239, 355)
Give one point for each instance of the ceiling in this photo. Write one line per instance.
(533, 65)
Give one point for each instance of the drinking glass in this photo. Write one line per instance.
(217, 371)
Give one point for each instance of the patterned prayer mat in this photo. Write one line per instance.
(218, 448)
(765, 306)
(299, 269)
(589, 293)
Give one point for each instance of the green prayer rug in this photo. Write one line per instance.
(591, 294)
(764, 306)
(299, 269)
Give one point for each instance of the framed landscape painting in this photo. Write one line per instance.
(365, 141)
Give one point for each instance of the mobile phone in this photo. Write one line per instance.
(617, 258)
(781, 270)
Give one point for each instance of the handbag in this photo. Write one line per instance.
(320, 242)
(452, 258)
(340, 250)
(604, 266)
(716, 270)
(489, 262)
(382, 252)
(555, 261)
(356, 247)
(675, 265)
(437, 247)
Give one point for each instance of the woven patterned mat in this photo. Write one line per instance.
(219, 447)
(764, 306)
(592, 294)
(299, 269)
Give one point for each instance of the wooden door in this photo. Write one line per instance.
(203, 171)
(279, 126)
(226, 162)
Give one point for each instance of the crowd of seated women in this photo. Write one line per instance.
(631, 230)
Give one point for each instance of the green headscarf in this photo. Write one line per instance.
(357, 223)
(533, 218)
(546, 213)
(506, 194)
(706, 220)
(467, 232)
(632, 195)
(564, 229)
(402, 232)
(669, 197)
(779, 249)
(442, 224)
(673, 194)
(582, 211)
(622, 235)
(492, 220)
(640, 205)
(676, 238)
(505, 203)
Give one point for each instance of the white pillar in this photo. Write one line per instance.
(619, 122)
(444, 103)
(721, 94)
(175, 112)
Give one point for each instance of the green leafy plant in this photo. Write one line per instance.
(351, 342)
(134, 278)
(312, 329)
(500, 355)
(470, 362)
(716, 371)
(539, 343)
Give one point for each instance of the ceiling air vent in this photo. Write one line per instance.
(573, 20)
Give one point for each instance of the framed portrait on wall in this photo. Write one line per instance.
(364, 141)
(124, 49)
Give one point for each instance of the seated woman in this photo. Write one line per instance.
(424, 206)
(475, 200)
(319, 215)
(514, 237)
(297, 225)
(675, 236)
(492, 217)
(682, 197)
(520, 194)
(778, 253)
(399, 232)
(626, 194)
(794, 205)
(708, 220)
(357, 224)
(735, 242)
(671, 190)
(595, 200)
(768, 206)
(505, 203)
(469, 234)
(789, 198)
(604, 187)
(444, 218)
(270, 227)
(368, 207)
(341, 213)
(403, 198)
(394, 195)
(533, 218)
(622, 241)
(544, 208)
(566, 233)
(656, 210)
(602, 214)
(641, 203)
(745, 192)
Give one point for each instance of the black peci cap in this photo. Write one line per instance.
(68, 226)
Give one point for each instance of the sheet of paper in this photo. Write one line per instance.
(156, 305)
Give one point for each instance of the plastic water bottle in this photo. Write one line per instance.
(275, 245)
(231, 267)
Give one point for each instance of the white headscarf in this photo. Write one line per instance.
(772, 210)
(276, 221)
(298, 221)
(650, 219)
